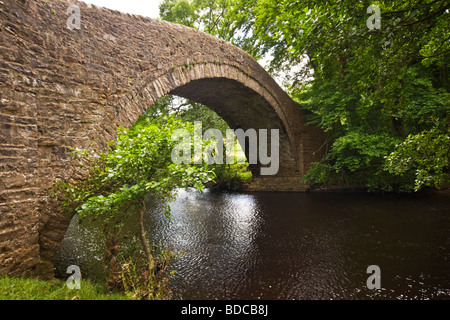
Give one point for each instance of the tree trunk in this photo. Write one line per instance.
(144, 242)
(398, 127)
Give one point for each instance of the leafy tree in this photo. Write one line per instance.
(117, 183)
(379, 86)
(427, 154)
(368, 87)
(179, 11)
(208, 118)
(230, 177)
(166, 106)
(211, 16)
(358, 158)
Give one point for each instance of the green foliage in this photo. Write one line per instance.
(179, 11)
(182, 109)
(318, 174)
(230, 177)
(206, 15)
(355, 151)
(116, 185)
(139, 164)
(158, 112)
(370, 88)
(358, 158)
(427, 154)
(208, 118)
(136, 280)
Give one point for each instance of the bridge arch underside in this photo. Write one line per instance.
(243, 108)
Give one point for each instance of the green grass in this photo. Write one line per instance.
(35, 289)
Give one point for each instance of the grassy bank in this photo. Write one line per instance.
(35, 289)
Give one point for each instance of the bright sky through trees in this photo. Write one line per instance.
(148, 8)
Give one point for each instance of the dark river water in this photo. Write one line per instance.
(291, 245)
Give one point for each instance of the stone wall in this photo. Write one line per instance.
(62, 88)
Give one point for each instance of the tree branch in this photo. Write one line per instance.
(144, 242)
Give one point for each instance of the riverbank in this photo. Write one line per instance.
(295, 184)
(12, 288)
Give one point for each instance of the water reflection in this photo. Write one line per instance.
(215, 241)
(292, 245)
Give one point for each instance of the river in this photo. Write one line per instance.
(274, 245)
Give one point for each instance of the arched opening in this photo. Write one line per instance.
(242, 108)
(79, 242)
(237, 97)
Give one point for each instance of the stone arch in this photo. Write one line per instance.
(62, 88)
(238, 98)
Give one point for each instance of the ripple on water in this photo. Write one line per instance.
(291, 245)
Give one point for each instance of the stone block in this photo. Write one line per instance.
(12, 180)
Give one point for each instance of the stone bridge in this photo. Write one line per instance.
(63, 88)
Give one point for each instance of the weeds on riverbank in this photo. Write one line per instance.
(129, 273)
(230, 177)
